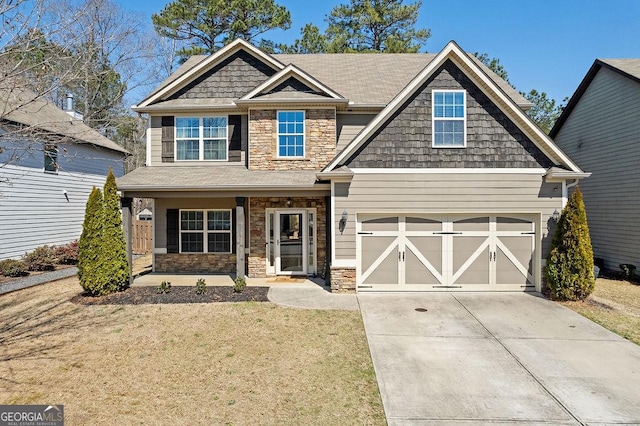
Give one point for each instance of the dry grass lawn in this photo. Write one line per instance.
(217, 363)
(615, 304)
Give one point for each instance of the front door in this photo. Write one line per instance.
(290, 242)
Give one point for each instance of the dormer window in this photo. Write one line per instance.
(291, 134)
(201, 138)
(449, 118)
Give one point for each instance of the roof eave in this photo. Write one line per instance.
(224, 188)
(559, 176)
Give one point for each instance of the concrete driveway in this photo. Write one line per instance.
(495, 358)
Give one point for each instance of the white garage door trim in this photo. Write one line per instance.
(459, 252)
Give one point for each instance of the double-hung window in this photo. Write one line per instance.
(201, 138)
(50, 158)
(291, 134)
(449, 118)
(205, 231)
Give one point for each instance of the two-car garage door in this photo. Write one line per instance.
(430, 253)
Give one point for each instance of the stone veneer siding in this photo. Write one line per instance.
(343, 280)
(320, 140)
(195, 263)
(257, 258)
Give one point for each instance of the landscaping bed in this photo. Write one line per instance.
(181, 294)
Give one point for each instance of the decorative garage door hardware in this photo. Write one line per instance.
(415, 252)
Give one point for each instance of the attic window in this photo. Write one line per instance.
(449, 118)
(50, 158)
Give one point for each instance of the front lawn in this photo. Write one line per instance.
(615, 304)
(213, 363)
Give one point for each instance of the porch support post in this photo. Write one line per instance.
(240, 237)
(126, 204)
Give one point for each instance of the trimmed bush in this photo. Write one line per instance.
(239, 285)
(90, 244)
(67, 254)
(201, 286)
(115, 263)
(13, 268)
(569, 269)
(41, 259)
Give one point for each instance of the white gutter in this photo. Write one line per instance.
(565, 191)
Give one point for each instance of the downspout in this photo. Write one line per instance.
(565, 191)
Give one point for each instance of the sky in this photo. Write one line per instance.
(547, 45)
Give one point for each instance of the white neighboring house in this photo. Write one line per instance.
(49, 163)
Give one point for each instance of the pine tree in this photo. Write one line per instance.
(114, 268)
(569, 267)
(90, 243)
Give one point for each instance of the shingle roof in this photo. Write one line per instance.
(196, 178)
(630, 66)
(363, 78)
(23, 107)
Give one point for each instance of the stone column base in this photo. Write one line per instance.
(343, 280)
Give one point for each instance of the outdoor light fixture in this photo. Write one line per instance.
(288, 201)
(556, 216)
(343, 221)
(66, 194)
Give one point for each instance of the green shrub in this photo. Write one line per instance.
(67, 254)
(114, 271)
(569, 268)
(628, 271)
(201, 286)
(90, 244)
(239, 285)
(164, 287)
(13, 268)
(40, 259)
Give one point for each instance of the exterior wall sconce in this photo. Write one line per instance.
(288, 201)
(343, 221)
(556, 216)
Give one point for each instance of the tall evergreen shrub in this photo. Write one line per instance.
(569, 267)
(90, 243)
(103, 265)
(115, 263)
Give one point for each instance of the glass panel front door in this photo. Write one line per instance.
(291, 243)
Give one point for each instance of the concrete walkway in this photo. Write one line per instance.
(489, 358)
(33, 280)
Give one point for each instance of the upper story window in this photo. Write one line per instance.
(50, 158)
(291, 134)
(201, 138)
(449, 118)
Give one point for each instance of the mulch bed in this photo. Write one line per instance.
(178, 294)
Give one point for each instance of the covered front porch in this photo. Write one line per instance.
(227, 221)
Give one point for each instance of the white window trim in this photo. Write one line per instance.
(434, 118)
(205, 231)
(304, 135)
(200, 137)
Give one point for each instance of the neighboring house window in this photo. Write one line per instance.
(214, 238)
(201, 138)
(50, 158)
(449, 118)
(291, 134)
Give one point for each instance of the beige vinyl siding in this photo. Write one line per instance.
(349, 125)
(161, 205)
(156, 140)
(602, 135)
(444, 193)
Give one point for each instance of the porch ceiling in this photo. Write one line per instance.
(217, 178)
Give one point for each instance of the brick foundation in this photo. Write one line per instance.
(195, 263)
(343, 280)
(257, 259)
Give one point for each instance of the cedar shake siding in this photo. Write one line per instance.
(320, 140)
(493, 141)
(291, 85)
(232, 78)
